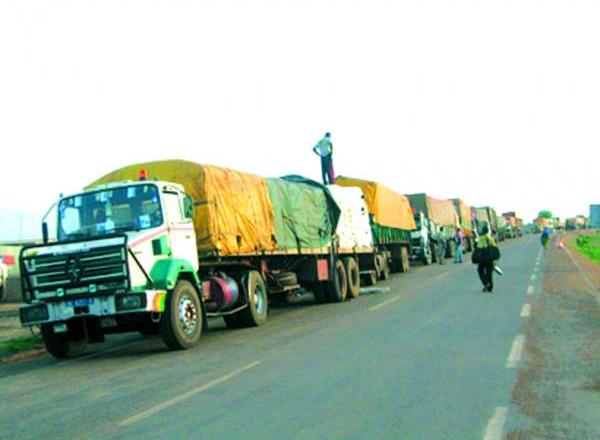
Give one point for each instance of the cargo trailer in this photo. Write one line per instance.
(391, 221)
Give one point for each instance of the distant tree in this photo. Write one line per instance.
(545, 214)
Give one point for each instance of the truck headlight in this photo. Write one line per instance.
(130, 301)
(34, 314)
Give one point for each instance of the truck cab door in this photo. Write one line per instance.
(180, 226)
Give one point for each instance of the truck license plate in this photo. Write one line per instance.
(81, 302)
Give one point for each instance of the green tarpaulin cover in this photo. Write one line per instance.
(305, 213)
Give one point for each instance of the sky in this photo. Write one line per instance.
(497, 103)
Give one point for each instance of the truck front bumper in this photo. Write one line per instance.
(149, 301)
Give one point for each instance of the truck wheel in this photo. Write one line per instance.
(405, 261)
(256, 312)
(353, 275)
(65, 345)
(337, 288)
(434, 256)
(182, 321)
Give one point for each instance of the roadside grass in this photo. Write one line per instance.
(20, 344)
(589, 246)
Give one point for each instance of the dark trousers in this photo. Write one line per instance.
(325, 166)
(485, 271)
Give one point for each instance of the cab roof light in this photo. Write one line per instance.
(143, 174)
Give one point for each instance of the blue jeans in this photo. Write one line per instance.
(458, 255)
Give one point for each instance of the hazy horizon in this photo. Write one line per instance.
(494, 103)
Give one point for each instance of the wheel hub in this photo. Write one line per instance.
(188, 315)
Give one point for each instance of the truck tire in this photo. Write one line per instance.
(404, 260)
(258, 304)
(369, 279)
(182, 321)
(353, 274)
(65, 345)
(336, 289)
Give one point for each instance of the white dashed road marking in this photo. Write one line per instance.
(526, 311)
(495, 426)
(516, 352)
(168, 403)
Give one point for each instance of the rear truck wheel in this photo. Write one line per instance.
(405, 261)
(67, 344)
(353, 274)
(427, 257)
(256, 295)
(336, 289)
(182, 321)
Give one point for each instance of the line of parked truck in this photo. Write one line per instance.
(161, 247)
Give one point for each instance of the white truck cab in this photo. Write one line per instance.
(120, 248)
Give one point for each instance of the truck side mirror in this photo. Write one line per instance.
(45, 232)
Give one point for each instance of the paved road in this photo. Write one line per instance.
(428, 359)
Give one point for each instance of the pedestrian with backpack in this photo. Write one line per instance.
(485, 256)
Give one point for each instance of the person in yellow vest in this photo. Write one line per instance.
(324, 149)
(485, 268)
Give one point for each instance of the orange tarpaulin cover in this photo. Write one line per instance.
(387, 207)
(232, 210)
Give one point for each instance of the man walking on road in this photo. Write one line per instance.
(324, 149)
(485, 267)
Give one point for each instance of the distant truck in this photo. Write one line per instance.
(162, 253)
(516, 223)
(391, 220)
(465, 218)
(436, 218)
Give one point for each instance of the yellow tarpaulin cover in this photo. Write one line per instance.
(387, 207)
(233, 210)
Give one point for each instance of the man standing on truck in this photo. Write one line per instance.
(324, 149)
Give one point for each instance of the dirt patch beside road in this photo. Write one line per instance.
(557, 394)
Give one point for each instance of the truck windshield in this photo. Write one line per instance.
(127, 208)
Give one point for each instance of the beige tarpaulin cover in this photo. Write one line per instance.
(443, 211)
(387, 207)
(233, 210)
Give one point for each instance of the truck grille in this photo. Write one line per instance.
(98, 270)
